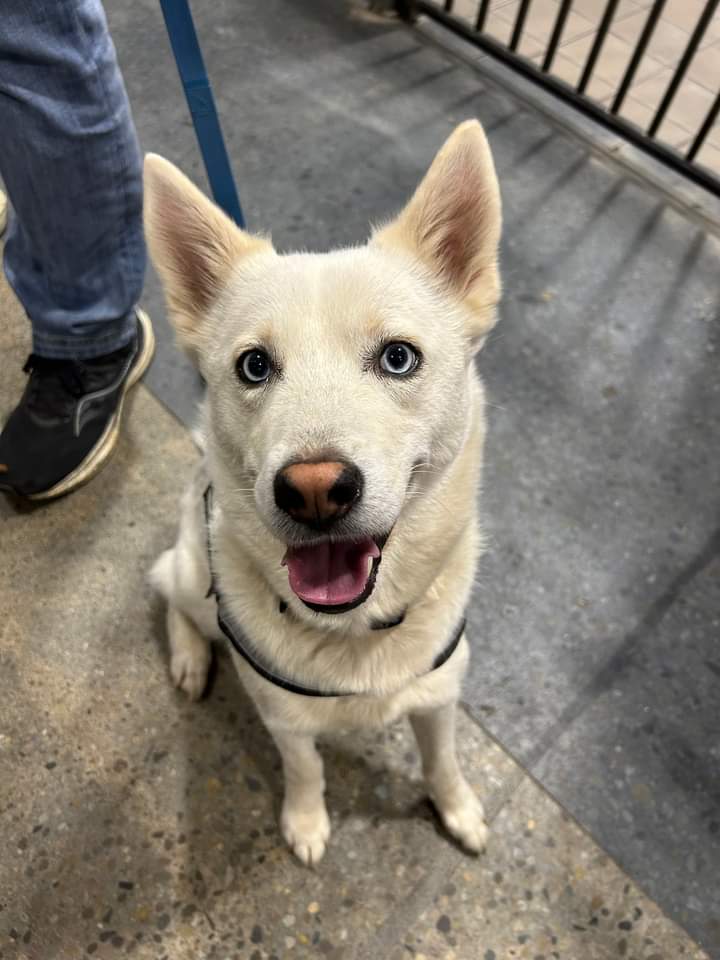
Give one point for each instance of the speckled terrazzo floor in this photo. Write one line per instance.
(133, 822)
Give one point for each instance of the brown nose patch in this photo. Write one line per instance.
(313, 482)
(318, 493)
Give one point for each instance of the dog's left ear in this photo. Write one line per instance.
(452, 224)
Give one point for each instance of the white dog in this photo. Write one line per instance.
(343, 431)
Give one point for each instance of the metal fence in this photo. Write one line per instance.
(472, 26)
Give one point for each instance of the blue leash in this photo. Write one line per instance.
(188, 56)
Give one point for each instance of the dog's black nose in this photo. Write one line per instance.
(318, 494)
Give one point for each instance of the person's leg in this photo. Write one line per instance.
(74, 252)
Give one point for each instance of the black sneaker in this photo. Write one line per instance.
(66, 424)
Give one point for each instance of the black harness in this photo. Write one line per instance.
(239, 641)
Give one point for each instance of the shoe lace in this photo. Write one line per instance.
(54, 384)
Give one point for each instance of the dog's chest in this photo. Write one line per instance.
(318, 715)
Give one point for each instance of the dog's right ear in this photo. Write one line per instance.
(193, 244)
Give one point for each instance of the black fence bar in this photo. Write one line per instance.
(637, 56)
(519, 24)
(632, 133)
(482, 14)
(598, 44)
(557, 33)
(704, 130)
(692, 46)
(449, 5)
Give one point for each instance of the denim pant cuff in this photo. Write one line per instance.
(115, 335)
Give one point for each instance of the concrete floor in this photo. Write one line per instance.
(135, 822)
(595, 624)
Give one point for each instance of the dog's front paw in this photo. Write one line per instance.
(189, 669)
(306, 832)
(463, 816)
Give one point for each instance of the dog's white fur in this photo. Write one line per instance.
(429, 277)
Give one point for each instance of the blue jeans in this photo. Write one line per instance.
(70, 162)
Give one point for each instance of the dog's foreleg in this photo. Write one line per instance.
(304, 820)
(189, 653)
(455, 800)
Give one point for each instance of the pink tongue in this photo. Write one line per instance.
(330, 573)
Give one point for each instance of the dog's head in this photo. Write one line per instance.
(337, 383)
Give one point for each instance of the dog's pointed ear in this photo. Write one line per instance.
(452, 224)
(193, 244)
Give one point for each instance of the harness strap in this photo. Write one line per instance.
(240, 643)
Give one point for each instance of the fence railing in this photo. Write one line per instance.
(471, 24)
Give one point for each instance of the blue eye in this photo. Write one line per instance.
(398, 359)
(254, 366)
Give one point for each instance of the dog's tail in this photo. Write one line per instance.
(162, 572)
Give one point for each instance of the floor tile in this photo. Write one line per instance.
(542, 890)
(466, 10)
(642, 113)
(594, 9)
(541, 17)
(570, 71)
(709, 156)
(499, 27)
(667, 44)
(613, 59)
(655, 733)
(690, 104)
(686, 14)
(705, 67)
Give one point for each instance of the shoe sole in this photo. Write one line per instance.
(103, 449)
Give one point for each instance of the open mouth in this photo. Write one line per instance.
(333, 577)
